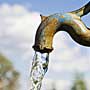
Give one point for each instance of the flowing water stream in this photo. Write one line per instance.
(39, 68)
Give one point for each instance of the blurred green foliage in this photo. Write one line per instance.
(8, 75)
(79, 82)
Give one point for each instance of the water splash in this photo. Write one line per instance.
(39, 68)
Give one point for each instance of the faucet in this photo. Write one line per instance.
(71, 23)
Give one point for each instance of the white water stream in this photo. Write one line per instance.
(39, 68)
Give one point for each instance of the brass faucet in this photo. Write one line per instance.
(70, 22)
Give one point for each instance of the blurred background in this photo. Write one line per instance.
(8, 75)
(69, 63)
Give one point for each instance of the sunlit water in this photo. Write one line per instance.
(39, 68)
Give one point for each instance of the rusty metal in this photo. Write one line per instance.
(70, 22)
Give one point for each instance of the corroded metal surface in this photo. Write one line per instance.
(70, 22)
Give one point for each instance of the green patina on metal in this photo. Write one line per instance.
(70, 22)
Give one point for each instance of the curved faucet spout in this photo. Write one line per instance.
(70, 22)
(45, 34)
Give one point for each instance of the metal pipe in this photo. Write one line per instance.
(70, 22)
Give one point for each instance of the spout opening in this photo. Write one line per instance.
(42, 50)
